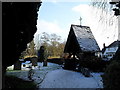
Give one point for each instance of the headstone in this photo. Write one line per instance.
(17, 65)
(85, 72)
(45, 63)
(34, 61)
(30, 74)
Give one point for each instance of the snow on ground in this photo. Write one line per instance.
(39, 72)
(70, 79)
(97, 77)
(53, 76)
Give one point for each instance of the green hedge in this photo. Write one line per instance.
(111, 77)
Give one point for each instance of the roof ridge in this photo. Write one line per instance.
(80, 26)
(85, 38)
(115, 43)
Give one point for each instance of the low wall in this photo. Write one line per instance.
(56, 61)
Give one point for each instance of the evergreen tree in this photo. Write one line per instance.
(30, 50)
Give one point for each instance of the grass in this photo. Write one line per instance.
(30, 56)
(14, 70)
(53, 57)
(50, 69)
(14, 82)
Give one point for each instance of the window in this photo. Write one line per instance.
(108, 49)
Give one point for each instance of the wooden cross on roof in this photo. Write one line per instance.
(80, 20)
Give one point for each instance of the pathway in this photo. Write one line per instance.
(69, 79)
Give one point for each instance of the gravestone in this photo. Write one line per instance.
(85, 72)
(34, 61)
(45, 63)
(17, 65)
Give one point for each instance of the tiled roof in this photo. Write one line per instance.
(85, 38)
(114, 44)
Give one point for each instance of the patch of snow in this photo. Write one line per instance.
(98, 78)
(21, 59)
(39, 72)
(10, 67)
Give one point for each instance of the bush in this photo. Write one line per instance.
(14, 82)
(94, 64)
(111, 77)
(70, 64)
(56, 60)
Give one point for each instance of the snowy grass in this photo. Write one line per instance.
(53, 76)
(39, 73)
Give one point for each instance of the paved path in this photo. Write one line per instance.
(68, 79)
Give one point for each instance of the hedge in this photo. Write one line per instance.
(111, 77)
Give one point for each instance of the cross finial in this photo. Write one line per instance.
(80, 20)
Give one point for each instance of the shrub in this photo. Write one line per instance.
(70, 64)
(94, 64)
(56, 60)
(15, 82)
(85, 71)
(111, 77)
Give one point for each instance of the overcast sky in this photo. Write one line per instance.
(56, 17)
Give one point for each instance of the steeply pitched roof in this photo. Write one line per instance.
(114, 44)
(85, 38)
(80, 38)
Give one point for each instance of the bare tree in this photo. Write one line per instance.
(106, 20)
(52, 43)
(105, 8)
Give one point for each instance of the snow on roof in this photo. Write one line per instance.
(85, 38)
(21, 59)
